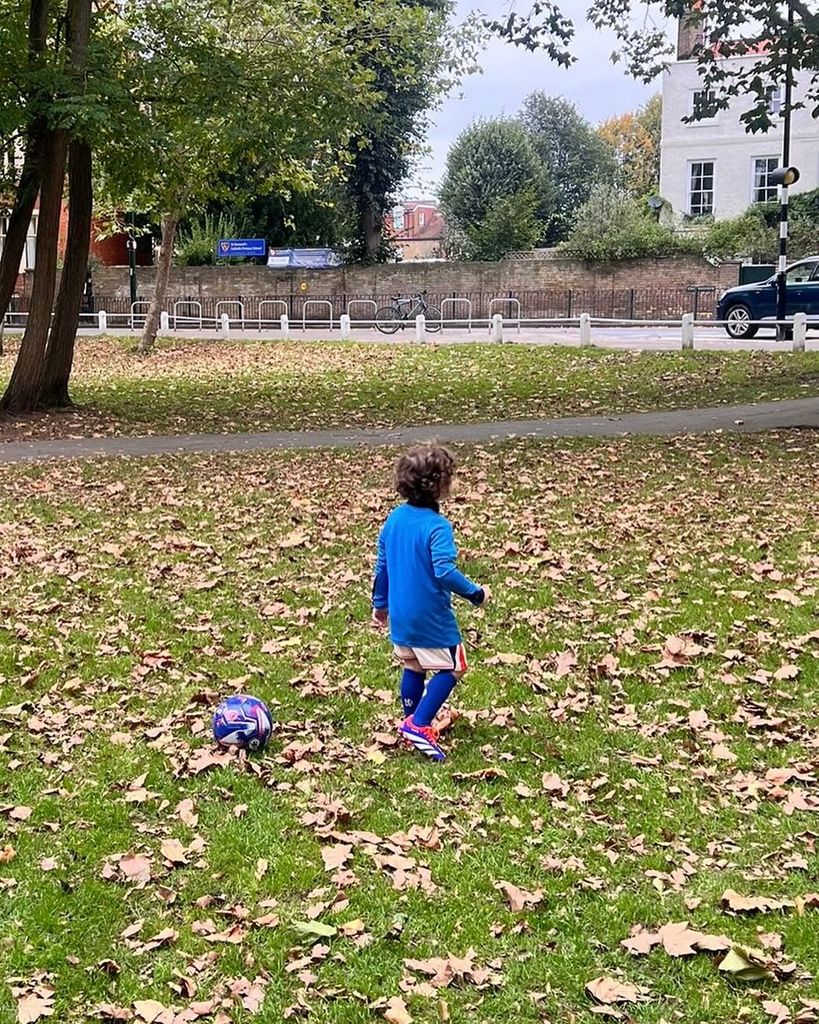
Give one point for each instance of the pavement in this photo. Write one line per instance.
(631, 337)
(801, 413)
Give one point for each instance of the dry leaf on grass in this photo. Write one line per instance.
(135, 867)
(677, 939)
(519, 899)
(610, 991)
(34, 1006)
(174, 852)
(396, 1011)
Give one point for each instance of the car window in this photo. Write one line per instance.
(801, 272)
(815, 272)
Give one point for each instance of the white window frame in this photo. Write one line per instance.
(769, 157)
(693, 105)
(689, 191)
(775, 97)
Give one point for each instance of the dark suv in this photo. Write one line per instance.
(741, 306)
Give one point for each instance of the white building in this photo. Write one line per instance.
(713, 166)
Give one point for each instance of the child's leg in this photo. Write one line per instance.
(412, 687)
(439, 687)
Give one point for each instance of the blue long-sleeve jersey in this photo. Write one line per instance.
(416, 575)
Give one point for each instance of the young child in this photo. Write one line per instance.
(415, 577)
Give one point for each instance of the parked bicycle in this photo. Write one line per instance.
(402, 311)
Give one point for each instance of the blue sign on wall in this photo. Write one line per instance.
(228, 247)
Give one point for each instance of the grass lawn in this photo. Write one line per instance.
(638, 735)
(189, 386)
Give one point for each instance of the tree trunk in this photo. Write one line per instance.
(371, 230)
(31, 175)
(23, 391)
(163, 273)
(60, 353)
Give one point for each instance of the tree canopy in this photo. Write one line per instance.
(634, 140)
(571, 152)
(756, 28)
(491, 168)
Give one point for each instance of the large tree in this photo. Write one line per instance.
(575, 155)
(756, 28)
(55, 120)
(277, 87)
(634, 139)
(491, 169)
(417, 64)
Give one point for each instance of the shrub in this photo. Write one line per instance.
(196, 243)
(612, 225)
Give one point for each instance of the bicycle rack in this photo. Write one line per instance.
(134, 312)
(315, 302)
(513, 303)
(456, 302)
(186, 302)
(229, 302)
(275, 304)
(369, 303)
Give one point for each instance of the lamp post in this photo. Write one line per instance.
(132, 280)
(785, 176)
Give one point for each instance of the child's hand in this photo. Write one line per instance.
(487, 594)
(380, 617)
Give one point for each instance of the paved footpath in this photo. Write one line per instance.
(797, 413)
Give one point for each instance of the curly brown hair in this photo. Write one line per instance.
(424, 475)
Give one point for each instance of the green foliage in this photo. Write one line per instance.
(420, 61)
(755, 233)
(612, 225)
(197, 242)
(570, 151)
(511, 223)
(494, 171)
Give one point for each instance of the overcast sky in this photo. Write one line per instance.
(598, 87)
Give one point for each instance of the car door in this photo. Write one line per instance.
(799, 287)
(811, 295)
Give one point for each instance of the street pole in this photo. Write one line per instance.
(131, 246)
(781, 279)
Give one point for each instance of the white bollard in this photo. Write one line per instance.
(420, 327)
(102, 317)
(285, 322)
(497, 327)
(164, 322)
(344, 324)
(688, 332)
(225, 325)
(800, 331)
(585, 330)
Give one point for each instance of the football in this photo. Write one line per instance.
(242, 721)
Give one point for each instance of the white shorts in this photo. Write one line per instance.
(435, 659)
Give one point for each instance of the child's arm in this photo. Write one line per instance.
(381, 583)
(444, 556)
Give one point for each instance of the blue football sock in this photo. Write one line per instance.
(412, 690)
(436, 693)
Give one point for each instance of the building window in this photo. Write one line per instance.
(422, 218)
(774, 94)
(704, 105)
(764, 191)
(701, 188)
(398, 218)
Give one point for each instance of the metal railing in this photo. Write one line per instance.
(583, 326)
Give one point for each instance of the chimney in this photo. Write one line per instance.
(690, 32)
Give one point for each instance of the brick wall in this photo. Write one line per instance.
(437, 278)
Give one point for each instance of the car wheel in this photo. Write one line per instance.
(738, 322)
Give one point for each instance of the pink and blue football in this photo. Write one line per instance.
(242, 721)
